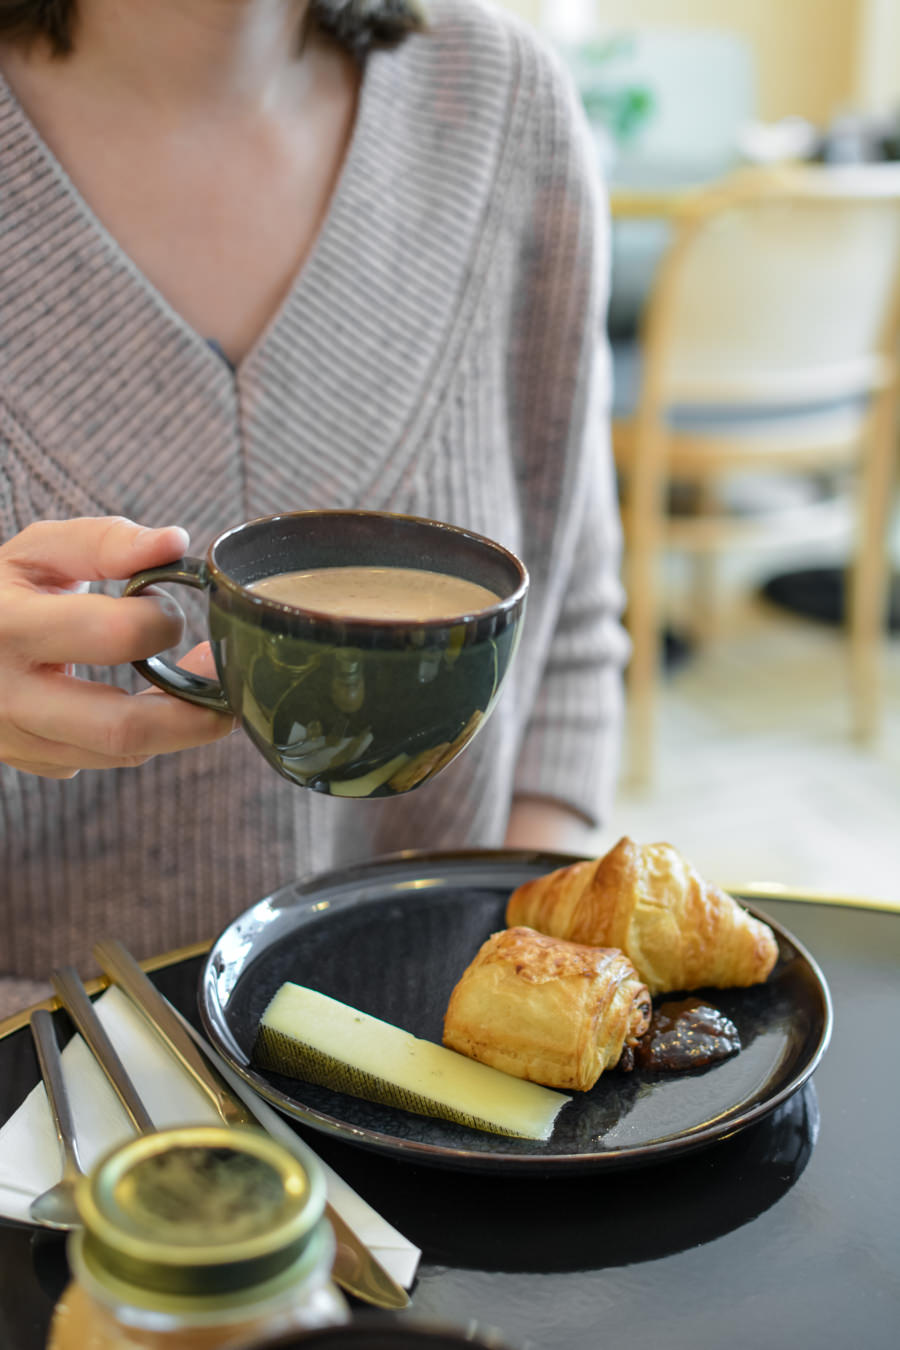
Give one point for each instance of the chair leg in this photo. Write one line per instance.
(643, 671)
(644, 539)
(645, 533)
(705, 611)
(868, 582)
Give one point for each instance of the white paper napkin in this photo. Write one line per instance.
(30, 1158)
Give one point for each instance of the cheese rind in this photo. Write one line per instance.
(305, 1034)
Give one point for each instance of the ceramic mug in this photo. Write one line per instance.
(346, 706)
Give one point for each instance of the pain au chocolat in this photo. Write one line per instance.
(679, 931)
(547, 1010)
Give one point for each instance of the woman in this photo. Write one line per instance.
(264, 255)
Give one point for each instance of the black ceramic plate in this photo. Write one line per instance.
(393, 937)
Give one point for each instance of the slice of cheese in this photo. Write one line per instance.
(304, 1034)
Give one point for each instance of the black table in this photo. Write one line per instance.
(786, 1234)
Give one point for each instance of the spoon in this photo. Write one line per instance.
(56, 1208)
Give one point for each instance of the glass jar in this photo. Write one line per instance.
(198, 1238)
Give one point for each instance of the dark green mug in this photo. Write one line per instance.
(351, 707)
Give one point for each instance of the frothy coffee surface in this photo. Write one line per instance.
(394, 593)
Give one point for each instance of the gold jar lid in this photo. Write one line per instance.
(198, 1211)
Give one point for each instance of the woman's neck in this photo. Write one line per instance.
(195, 57)
(207, 137)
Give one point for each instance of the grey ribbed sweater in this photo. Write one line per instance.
(441, 354)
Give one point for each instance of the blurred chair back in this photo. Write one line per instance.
(778, 289)
(769, 342)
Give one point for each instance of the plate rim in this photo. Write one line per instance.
(474, 1160)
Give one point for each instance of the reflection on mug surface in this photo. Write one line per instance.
(356, 721)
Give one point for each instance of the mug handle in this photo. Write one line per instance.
(164, 674)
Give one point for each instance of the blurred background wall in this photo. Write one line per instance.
(813, 58)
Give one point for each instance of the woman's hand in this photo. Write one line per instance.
(51, 723)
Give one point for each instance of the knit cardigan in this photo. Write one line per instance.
(440, 353)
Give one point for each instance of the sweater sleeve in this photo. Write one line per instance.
(573, 717)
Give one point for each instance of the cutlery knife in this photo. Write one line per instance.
(356, 1269)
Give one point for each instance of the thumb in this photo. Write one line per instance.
(91, 548)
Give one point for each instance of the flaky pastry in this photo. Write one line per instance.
(680, 931)
(551, 1011)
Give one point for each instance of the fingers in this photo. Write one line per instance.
(62, 723)
(52, 724)
(59, 552)
(39, 629)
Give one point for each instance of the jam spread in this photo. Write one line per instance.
(686, 1034)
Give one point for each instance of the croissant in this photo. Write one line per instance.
(550, 1011)
(680, 931)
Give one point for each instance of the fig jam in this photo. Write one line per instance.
(686, 1034)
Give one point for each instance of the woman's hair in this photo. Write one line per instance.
(357, 25)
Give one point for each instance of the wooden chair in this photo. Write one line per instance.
(769, 343)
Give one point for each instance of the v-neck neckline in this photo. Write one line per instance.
(121, 258)
(337, 396)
